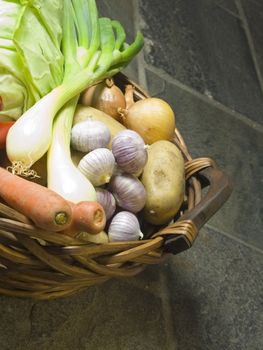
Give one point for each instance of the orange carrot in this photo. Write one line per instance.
(86, 217)
(45, 208)
(4, 127)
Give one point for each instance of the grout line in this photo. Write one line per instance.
(250, 42)
(229, 12)
(171, 342)
(165, 76)
(140, 56)
(230, 236)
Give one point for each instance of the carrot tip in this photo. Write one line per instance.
(61, 218)
(98, 216)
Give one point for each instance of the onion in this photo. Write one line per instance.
(152, 118)
(106, 97)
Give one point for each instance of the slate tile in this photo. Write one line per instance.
(227, 5)
(204, 47)
(216, 295)
(254, 15)
(114, 315)
(210, 131)
(15, 323)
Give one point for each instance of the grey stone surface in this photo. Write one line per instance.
(204, 47)
(216, 295)
(115, 315)
(227, 5)
(210, 131)
(254, 16)
(15, 323)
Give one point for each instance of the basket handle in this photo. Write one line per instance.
(220, 188)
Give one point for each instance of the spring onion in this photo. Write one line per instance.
(88, 48)
(94, 50)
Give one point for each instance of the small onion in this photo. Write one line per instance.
(107, 201)
(129, 151)
(106, 97)
(89, 135)
(128, 191)
(98, 166)
(152, 118)
(124, 227)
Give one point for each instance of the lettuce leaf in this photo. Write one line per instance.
(31, 61)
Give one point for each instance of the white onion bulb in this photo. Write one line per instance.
(98, 166)
(89, 135)
(129, 151)
(128, 191)
(124, 227)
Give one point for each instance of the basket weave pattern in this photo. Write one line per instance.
(45, 265)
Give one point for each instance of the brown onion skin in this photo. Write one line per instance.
(152, 118)
(105, 96)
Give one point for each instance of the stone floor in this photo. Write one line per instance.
(205, 57)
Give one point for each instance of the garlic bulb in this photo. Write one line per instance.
(128, 191)
(129, 151)
(107, 201)
(98, 166)
(89, 135)
(124, 227)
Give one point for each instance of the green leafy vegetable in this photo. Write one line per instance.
(94, 49)
(31, 61)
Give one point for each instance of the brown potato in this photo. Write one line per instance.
(164, 180)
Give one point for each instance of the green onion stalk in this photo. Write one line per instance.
(94, 49)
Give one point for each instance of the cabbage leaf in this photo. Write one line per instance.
(31, 61)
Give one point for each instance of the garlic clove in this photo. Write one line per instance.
(124, 227)
(128, 191)
(129, 151)
(107, 200)
(98, 166)
(89, 135)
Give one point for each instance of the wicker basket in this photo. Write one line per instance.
(44, 265)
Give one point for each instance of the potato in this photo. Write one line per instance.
(82, 113)
(164, 180)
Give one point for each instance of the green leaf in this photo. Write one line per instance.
(30, 51)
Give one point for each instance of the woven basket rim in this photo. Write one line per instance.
(44, 265)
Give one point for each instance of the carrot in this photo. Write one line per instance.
(86, 217)
(45, 208)
(4, 127)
